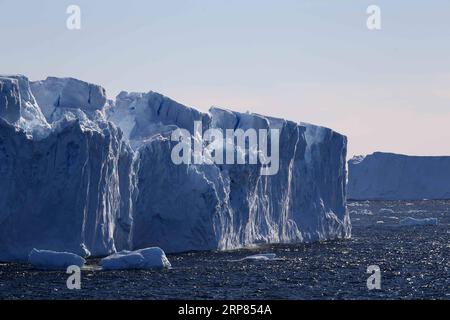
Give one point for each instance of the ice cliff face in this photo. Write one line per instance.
(88, 175)
(387, 176)
(65, 190)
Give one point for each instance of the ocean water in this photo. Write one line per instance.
(414, 263)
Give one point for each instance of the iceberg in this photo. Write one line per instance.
(388, 176)
(149, 258)
(207, 207)
(408, 222)
(93, 176)
(51, 260)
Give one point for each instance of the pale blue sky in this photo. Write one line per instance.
(312, 61)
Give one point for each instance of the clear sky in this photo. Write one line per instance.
(312, 61)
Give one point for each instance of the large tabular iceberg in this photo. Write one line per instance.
(91, 176)
(388, 176)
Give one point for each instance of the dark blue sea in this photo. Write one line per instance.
(414, 264)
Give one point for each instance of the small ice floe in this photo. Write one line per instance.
(259, 257)
(416, 211)
(265, 256)
(150, 258)
(386, 211)
(380, 222)
(418, 222)
(365, 212)
(358, 204)
(52, 260)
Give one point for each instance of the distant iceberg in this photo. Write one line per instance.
(51, 260)
(150, 258)
(388, 176)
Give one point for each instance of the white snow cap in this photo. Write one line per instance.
(52, 260)
(150, 258)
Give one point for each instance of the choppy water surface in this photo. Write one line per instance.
(414, 262)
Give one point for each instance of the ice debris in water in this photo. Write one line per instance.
(259, 257)
(418, 222)
(150, 258)
(52, 260)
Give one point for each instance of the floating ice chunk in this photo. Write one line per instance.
(259, 257)
(149, 258)
(416, 211)
(418, 222)
(52, 260)
(386, 211)
(365, 212)
(265, 256)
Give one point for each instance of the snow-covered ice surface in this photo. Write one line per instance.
(51, 260)
(149, 258)
(387, 176)
(409, 221)
(92, 176)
